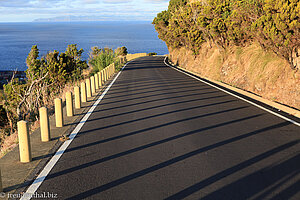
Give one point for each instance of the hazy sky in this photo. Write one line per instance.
(29, 10)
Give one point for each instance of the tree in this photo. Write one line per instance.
(275, 24)
(121, 51)
(278, 28)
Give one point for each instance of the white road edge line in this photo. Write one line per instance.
(261, 107)
(44, 173)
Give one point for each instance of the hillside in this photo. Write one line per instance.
(253, 45)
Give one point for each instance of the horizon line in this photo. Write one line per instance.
(76, 21)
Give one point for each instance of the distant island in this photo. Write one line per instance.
(72, 18)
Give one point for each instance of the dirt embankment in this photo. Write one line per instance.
(249, 68)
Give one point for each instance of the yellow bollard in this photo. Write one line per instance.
(58, 113)
(69, 104)
(83, 92)
(102, 77)
(1, 188)
(24, 142)
(107, 77)
(109, 71)
(100, 80)
(44, 124)
(77, 97)
(105, 74)
(93, 86)
(88, 87)
(97, 81)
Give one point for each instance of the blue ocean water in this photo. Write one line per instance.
(16, 39)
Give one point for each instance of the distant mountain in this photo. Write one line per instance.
(71, 18)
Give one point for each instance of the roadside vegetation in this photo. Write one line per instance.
(101, 58)
(47, 78)
(274, 24)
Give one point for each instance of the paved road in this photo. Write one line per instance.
(159, 134)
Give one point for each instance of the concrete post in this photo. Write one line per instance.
(88, 87)
(58, 112)
(77, 97)
(102, 77)
(106, 73)
(97, 81)
(93, 85)
(44, 124)
(24, 142)
(100, 80)
(69, 104)
(109, 71)
(1, 187)
(83, 92)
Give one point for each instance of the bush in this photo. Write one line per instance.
(101, 58)
(151, 54)
(275, 24)
(121, 51)
(46, 77)
(3, 117)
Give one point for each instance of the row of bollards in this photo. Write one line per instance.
(87, 89)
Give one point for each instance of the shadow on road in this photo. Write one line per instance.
(204, 183)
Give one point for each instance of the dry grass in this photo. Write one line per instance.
(250, 68)
(11, 141)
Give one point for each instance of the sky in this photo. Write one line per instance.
(106, 10)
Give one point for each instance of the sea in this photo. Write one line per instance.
(16, 39)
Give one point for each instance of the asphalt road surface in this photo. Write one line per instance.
(160, 134)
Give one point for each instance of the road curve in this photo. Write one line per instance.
(159, 134)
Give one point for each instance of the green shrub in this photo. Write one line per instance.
(121, 51)
(101, 58)
(275, 24)
(151, 54)
(46, 76)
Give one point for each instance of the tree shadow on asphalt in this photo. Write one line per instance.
(191, 189)
(257, 185)
(148, 117)
(145, 91)
(157, 100)
(119, 88)
(182, 135)
(158, 106)
(283, 167)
